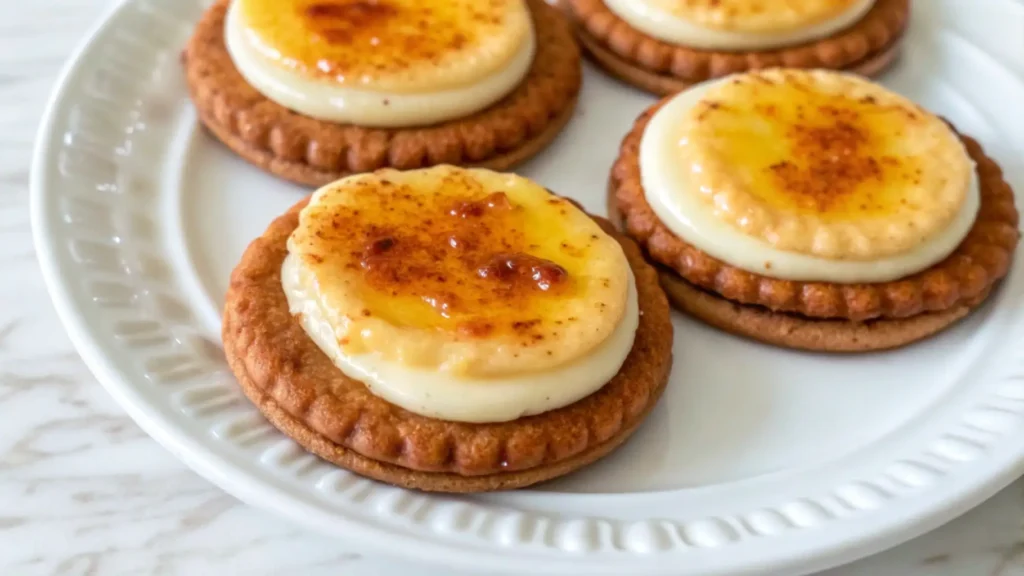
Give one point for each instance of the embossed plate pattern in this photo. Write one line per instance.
(757, 460)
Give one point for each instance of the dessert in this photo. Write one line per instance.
(664, 46)
(448, 329)
(814, 210)
(314, 90)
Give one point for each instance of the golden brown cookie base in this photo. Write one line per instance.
(981, 260)
(663, 68)
(437, 481)
(313, 152)
(303, 173)
(796, 332)
(663, 85)
(285, 374)
(791, 331)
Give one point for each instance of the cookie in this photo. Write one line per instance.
(665, 84)
(313, 152)
(301, 392)
(980, 261)
(801, 333)
(866, 48)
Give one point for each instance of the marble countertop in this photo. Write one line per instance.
(83, 491)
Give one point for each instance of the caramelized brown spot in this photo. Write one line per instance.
(475, 328)
(831, 159)
(525, 325)
(380, 246)
(352, 12)
(342, 22)
(337, 21)
(523, 270)
(477, 208)
(458, 243)
(374, 254)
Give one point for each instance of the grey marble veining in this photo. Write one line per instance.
(84, 492)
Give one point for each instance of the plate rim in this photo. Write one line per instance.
(231, 476)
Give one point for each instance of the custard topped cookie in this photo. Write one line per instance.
(466, 271)
(816, 194)
(808, 172)
(449, 311)
(665, 45)
(317, 89)
(390, 63)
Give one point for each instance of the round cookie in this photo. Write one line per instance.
(865, 48)
(664, 84)
(798, 332)
(305, 396)
(815, 315)
(314, 152)
(981, 260)
(792, 331)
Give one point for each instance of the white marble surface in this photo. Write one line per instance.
(83, 491)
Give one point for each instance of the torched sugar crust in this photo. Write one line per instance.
(382, 42)
(797, 332)
(856, 171)
(468, 271)
(871, 38)
(981, 260)
(295, 385)
(314, 152)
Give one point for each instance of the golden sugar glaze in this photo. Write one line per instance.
(825, 163)
(396, 45)
(453, 254)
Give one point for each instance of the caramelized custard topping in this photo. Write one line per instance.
(445, 260)
(523, 272)
(755, 16)
(824, 163)
(399, 45)
(461, 256)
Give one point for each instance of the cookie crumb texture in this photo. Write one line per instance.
(963, 278)
(313, 152)
(879, 30)
(302, 393)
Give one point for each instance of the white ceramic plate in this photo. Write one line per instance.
(757, 460)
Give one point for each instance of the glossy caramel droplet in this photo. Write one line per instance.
(523, 269)
(477, 208)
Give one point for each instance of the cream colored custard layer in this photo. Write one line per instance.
(735, 25)
(447, 396)
(370, 100)
(685, 210)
